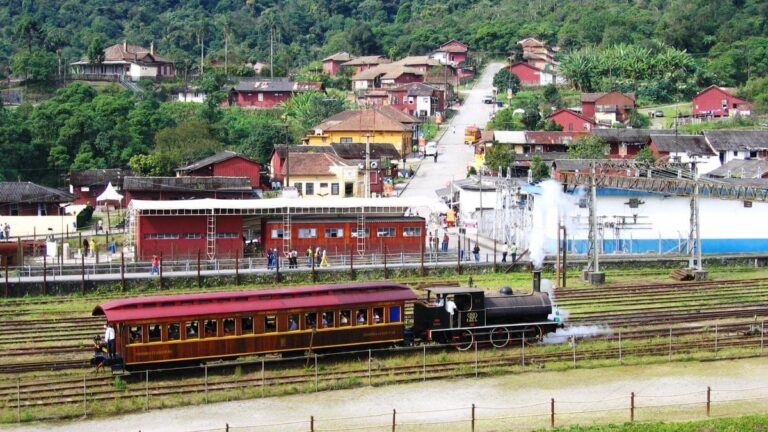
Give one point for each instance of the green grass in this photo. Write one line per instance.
(755, 423)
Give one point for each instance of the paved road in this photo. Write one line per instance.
(453, 156)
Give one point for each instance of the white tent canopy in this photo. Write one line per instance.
(109, 194)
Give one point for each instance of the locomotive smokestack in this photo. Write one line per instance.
(537, 281)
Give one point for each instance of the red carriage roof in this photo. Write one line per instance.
(223, 303)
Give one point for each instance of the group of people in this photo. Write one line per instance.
(5, 231)
(89, 247)
(317, 256)
(506, 249)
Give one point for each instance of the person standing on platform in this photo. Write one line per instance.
(109, 338)
(155, 266)
(504, 252)
(476, 252)
(513, 252)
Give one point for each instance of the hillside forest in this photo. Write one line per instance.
(662, 50)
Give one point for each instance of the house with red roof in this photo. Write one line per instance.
(530, 75)
(267, 94)
(571, 120)
(223, 164)
(332, 63)
(417, 99)
(125, 62)
(451, 52)
(607, 107)
(715, 101)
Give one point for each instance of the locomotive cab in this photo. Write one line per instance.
(433, 313)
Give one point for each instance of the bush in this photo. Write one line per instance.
(84, 217)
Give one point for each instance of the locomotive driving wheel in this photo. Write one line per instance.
(464, 340)
(532, 334)
(499, 337)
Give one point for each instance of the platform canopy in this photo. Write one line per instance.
(109, 194)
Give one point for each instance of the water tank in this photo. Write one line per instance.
(510, 309)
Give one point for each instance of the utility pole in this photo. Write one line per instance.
(202, 49)
(366, 170)
(287, 158)
(272, 52)
(694, 237)
(594, 276)
(226, 51)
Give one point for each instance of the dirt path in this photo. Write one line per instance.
(446, 405)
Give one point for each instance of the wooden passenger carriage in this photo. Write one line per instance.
(230, 324)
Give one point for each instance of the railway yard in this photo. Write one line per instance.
(639, 318)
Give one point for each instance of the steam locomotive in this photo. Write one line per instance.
(200, 327)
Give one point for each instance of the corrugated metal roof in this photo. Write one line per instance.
(630, 136)
(210, 160)
(742, 168)
(510, 137)
(191, 183)
(693, 145)
(91, 177)
(276, 204)
(224, 303)
(277, 86)
(28, 192)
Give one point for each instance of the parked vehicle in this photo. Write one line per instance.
(472, 134)
(488, 99)
(430, 149)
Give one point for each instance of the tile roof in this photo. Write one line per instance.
(369, 120)
(693, 145)
(93, 177)
(129, 53)
(28, 192)
(335, 119)
(401, 116)
(355, 150)
(593, 97)
(416, 89)
(742, 168)
(453, 46)
(184, 184)
(385, 71)
(737, 140)
(509, 137)
(210, 160)
(628, 135)
(554, 137)
(341, 56)
(574, 113)
(293, 148)
(418, 61)
(313, 164)
(367, 60)
(277, 86)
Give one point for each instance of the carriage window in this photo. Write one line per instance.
(307, 233)
(334, 232)
(463, 302)
(154, 333)
(344, 317)
(209, 327)
(394, 314)
(361, 317)
(378, 315)
(385, 232)
(327, 321)
(293, 322)
(270, 324)
(246, 325)
(229, 326)
(366, 232)
(310, 320)
(173, 331)
(192, 330)
(136, 334)
(411, 232)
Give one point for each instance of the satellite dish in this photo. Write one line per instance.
(374, 164)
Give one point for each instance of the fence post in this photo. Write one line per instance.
(314, 275)
(82, 274)
(394, 415)
(18, 399)
(473, 417)
(709, 399)
(351, 264)
(762, 323)
(424, 363)
(522, 357)
(458, 254)
(316, 376)
(573, 344)
(552, 413)
(161, 270)
(421, 258)
(45, 273)
(85, 398)
(6, 277)
(146, 390)
(311, 423)
(475, 358)
(716, 340)
(670, 343)
(385, 262)
(632, 407)
(226, 427)
(494, 255)
(206, 382)
(262, 378)
(198, 268)
(621, 360)
(237, 267)
(122, 270)
(277, 268)
(369, 366)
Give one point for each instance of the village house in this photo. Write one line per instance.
(224, 164)
(551, 141)
(452, 52)
(571, 120)
(530, 76)
(417, 99)
(364, 63)
(537, 54)
(625, 143)
(383, 76)
(607, 108)
(373, 98)
(30, 199)
(267, 94)
(375, 125)
(125, 62)
(332, 63)
(738, 144)
(87, 185)
(322, 175)
(742, 169)
(715, 101)
(684, 149)
(186, 188)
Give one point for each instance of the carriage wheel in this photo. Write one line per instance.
(465, 340)
(533, 334)
(499, 337)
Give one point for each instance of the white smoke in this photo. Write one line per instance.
(578, 332)
(548, 209)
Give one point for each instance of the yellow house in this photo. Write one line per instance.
(320, 175)
(376, 125)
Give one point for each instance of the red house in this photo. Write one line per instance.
(267, 94)
(529, 75)
(716, 101)
(331, 64)
(186, 188)
(417, 99)
(364, 63)
(30, 199)
(451, 52)
(88, 184)
(224, 164)
(607, 108)
(571, 120)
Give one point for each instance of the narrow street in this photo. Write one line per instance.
(453, 156)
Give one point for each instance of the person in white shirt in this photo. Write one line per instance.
(504, 252)
(450, 306)
(109, 337)
(439, 301)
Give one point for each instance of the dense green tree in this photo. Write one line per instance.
(531, 117)
(499, 156)
(506, 120)
(307, 109)
(504, 81)
(35, 64)
(539, 169)
(589, 147)
(645, 156)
